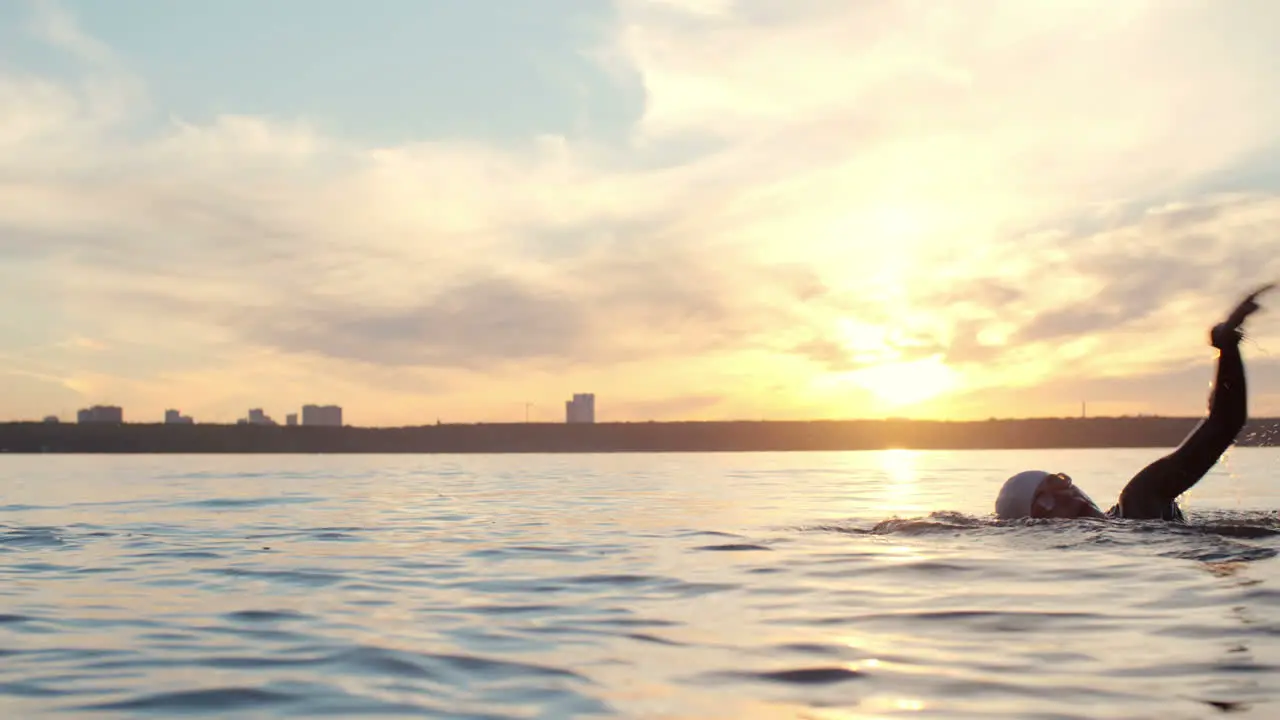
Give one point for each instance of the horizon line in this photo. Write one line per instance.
(1025, 418)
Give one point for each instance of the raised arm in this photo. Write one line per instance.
(1152, 492)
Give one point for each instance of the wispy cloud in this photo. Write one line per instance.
(814, 190)
(54, 24)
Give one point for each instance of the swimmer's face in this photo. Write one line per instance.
(1058, 497)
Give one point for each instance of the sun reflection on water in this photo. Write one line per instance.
(901, 493)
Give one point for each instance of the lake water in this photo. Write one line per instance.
(636, 586)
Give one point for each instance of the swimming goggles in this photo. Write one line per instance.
(1050, 487)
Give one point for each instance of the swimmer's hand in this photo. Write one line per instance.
(1228, 332)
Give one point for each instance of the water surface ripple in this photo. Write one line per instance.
(815, 585)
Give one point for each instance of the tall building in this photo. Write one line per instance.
(581, 409)
(100, 414)
(330, 415)
(175, 417)
(291, 419)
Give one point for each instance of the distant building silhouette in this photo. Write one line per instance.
(291, 419)
(330, 415)
(175, 417)
(100, 414)
(257, 417)
(51, 419)
(581, 409)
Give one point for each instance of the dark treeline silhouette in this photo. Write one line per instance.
(1100, 432)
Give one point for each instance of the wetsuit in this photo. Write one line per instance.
(1152, 493)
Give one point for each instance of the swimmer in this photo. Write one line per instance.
(1152, 494)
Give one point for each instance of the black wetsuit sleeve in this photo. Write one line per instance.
(1151, 493)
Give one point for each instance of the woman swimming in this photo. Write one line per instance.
(1152, 494)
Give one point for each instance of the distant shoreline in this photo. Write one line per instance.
(677, 436)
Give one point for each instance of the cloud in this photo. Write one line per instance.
(1182, 390)
(665, 303)
(477, 325)
(1209, 254)
(60, 28)
(814, 188)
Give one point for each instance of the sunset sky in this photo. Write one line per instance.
(696, 209)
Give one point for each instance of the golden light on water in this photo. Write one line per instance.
(899, 465)
(869, 707)
(900, 493)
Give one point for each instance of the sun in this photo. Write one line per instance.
(903, 384)
(892, 381)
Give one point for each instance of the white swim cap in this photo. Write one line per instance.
(1014, 500)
